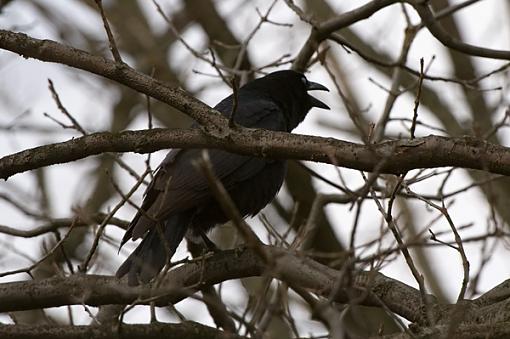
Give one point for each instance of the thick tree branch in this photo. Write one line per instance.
(185, 330)
(395, 156)
(471, 331)
(365, 288)
(94, 290)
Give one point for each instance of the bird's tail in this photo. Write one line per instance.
(155, 250)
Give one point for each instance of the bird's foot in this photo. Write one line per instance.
(211, 246)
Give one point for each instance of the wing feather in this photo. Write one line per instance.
(178, 185)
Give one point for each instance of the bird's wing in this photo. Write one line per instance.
(254, 111)
(178, 185)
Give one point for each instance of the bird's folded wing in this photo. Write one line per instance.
(179, 185)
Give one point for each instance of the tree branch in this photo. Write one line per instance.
(322, 31)
(472, 331)
(185, 330)
(398, 156)
(432, 24)
(95, 290)
(51, 51)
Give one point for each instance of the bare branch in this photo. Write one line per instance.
(185, 330)
(402, 155)
(432, 24)
(94, 290)
(51, 51)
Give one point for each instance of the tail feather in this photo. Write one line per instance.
(154, 251)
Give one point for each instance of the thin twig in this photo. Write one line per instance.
(84, 266)
(46, 256)
(417, 100)
(235, 101)
(111, 39)
(76, 125)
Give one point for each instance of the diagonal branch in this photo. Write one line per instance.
(322, 31)
(52, 51)
(432, 24)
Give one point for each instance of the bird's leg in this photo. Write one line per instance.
(208, 243)
(199, 244)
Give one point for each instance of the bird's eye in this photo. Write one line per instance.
(304, 80)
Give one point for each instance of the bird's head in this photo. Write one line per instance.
(289, 89)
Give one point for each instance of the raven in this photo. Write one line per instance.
(178, 202)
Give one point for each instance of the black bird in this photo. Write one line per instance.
(178, 201)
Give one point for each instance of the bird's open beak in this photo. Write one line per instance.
(313, 86)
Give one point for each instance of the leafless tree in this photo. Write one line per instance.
(380, 231)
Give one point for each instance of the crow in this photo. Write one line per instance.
(178, 201)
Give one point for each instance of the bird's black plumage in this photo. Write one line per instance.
(178, 200)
